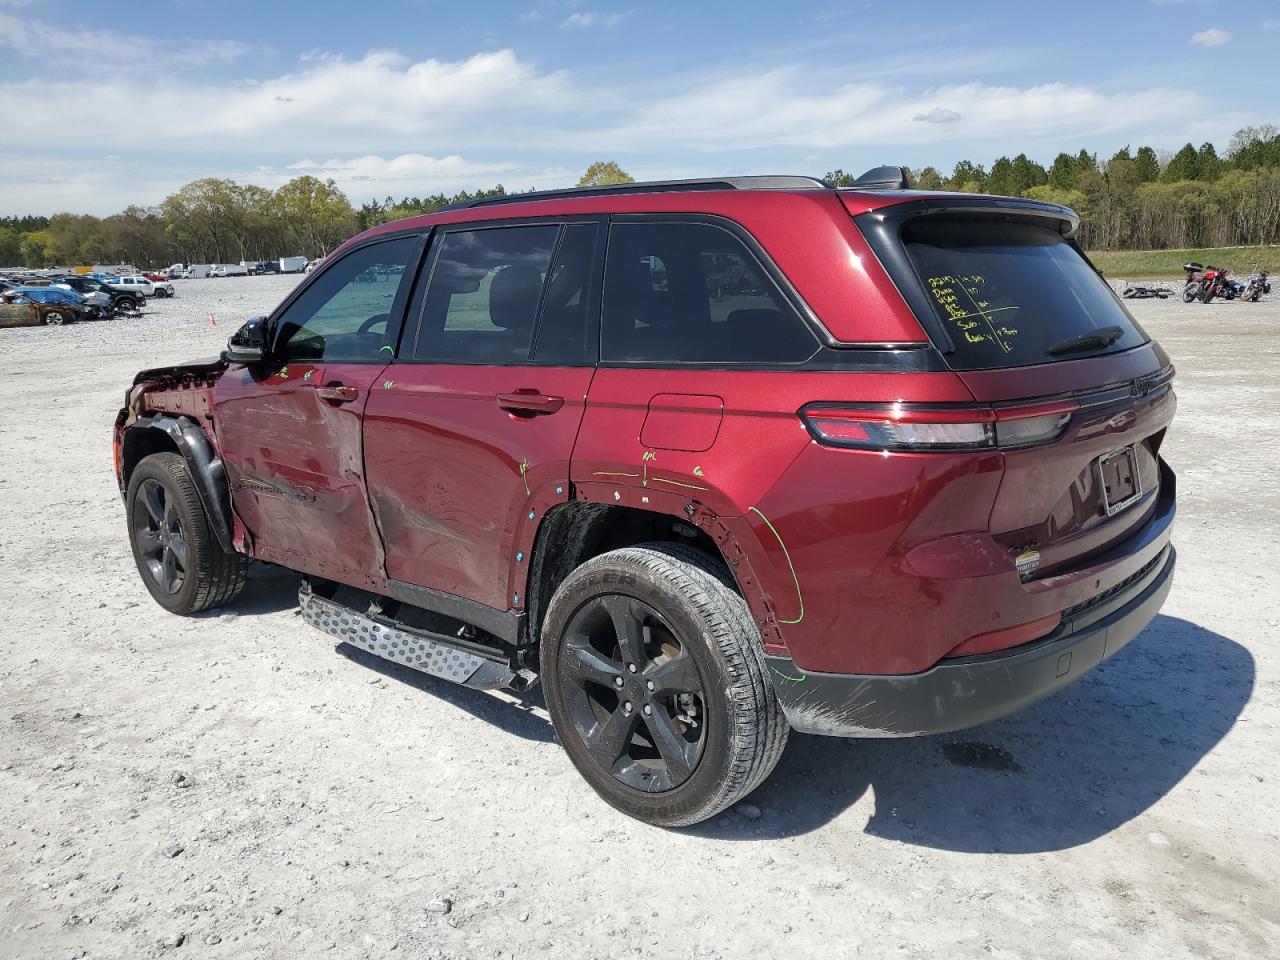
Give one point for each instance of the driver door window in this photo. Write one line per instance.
(351, 312)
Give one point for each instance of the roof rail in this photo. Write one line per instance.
(655, 186)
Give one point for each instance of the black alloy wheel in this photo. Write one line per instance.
(634, 692)
(159, 532)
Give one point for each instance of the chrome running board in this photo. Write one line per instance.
(432, 653)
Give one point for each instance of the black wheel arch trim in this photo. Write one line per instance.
(207, 470)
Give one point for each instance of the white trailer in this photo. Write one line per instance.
(293, 264)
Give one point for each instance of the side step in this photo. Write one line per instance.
(432, 653)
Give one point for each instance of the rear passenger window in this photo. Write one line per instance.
(693, 293)
(483, 297)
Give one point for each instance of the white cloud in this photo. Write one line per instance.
(1271, 24)
(385, 124)
(591, 18)
(37, 39)
(937, 115)
(1213, 37)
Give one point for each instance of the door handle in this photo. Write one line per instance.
(529, 403)
(337, 393)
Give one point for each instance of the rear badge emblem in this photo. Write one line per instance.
(1027, 561)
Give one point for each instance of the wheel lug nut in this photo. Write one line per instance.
(649, 684)
(617, 681)
(648, 710)
(627, 708)
(631, 667)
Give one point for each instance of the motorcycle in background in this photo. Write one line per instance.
(1195, 282)
(1254, 287)
(1217, 282)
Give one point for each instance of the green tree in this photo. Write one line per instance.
(1208, 166)
(1185, 165)
(928, 179)
(1146, 168)
(603, 173)
(968, 177)
(838, 178)
(1062, 172)
(316, 215)
(1000, 181)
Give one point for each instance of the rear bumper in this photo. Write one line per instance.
(968, 691)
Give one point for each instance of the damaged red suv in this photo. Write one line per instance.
(712, 460)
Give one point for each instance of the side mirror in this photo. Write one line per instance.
(248, 345)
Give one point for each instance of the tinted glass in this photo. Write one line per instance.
(564, 326)
(482, 300)
(1007, 293)
(345, 314)
(693, 293)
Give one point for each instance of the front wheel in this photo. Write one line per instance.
(55, 318)
(128, 303)
(183, 566)
(656, 683)
(1190, 292)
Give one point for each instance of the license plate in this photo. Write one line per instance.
(1118, 475)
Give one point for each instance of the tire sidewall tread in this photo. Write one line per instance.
(695, 593)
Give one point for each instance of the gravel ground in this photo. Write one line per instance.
(235, 785)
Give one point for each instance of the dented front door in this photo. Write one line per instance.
(290, 434)
(292, 447)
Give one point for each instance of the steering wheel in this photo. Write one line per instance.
(373, 322)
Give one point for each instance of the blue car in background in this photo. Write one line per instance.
(77, 306)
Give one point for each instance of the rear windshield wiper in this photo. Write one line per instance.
(1103, 337)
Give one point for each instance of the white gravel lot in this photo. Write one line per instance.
(234, 785)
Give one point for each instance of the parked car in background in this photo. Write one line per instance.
(268, 266)
(99, 309)
(26, 307)
(136, 284)
(121, 299)
(156, 276)
(99, 301)
(163, 288)
(313, 264)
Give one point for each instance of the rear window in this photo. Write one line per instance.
(1012, 294)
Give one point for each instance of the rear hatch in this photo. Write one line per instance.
(1022, 318)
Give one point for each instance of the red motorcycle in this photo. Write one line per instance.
(1195, 282)
(1217, 283)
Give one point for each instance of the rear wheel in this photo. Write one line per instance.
(182, 564)
(656, 684)
(1190, 292)
(55, 317)
(127, 303)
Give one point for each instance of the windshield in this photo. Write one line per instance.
(1012, 294)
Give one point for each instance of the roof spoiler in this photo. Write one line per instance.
(883, 178)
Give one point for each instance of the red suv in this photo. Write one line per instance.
(714, 460)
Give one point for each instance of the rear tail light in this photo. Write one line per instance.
(905, 427)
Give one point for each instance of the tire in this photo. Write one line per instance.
(161, 292)
(181, 563)
(128, 303)
(1206, 295)
(55, 318)
(690, 615)
(1190, 292)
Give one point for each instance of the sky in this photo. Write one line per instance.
(107, 104)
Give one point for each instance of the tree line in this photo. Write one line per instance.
(1140, 199)
(1135, 200)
